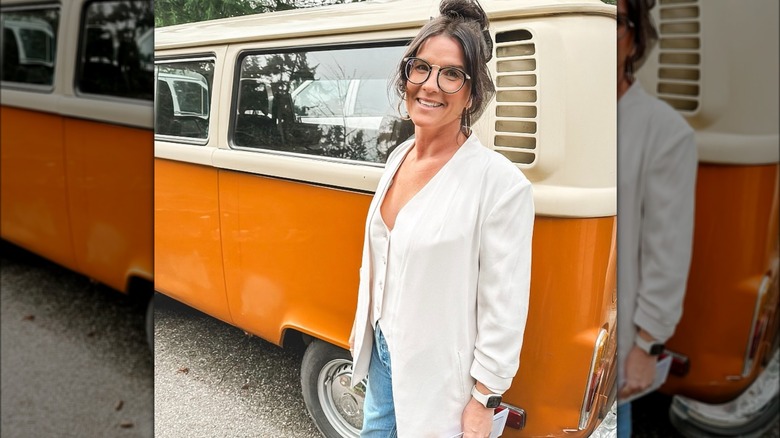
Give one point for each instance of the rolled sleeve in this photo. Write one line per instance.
(666, 237)
(503, 288)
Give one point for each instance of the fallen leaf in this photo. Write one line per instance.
(119, 405)
(184, 370)
(246, 386)
(126, 424)
(29, 317)
(91, 334)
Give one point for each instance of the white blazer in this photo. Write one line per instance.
(656, 197)
(464, 280)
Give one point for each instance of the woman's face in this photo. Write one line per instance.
(428, 106)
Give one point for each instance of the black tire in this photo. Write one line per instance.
(150, 324)
(336, 409)
(756, 428)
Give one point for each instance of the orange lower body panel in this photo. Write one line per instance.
(735, 248)
(79, 192)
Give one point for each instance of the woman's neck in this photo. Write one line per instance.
(434, 142)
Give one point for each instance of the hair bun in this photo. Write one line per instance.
(467, 10)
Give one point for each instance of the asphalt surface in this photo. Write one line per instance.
(213, 380)
(75, 361)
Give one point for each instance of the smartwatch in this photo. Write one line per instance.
(649, 347)
(487, 400)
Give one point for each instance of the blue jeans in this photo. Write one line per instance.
(624, 420)
(378, 409)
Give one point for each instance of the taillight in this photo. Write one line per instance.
(680, 363)
(758, 327)
(597, 369)
(516, 417)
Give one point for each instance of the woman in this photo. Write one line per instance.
(444, 283)
(656, 184)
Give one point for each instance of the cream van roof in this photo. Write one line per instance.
(373, 15)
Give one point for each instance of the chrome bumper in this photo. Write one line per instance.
(750, 414)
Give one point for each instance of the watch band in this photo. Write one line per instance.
(649, 347)
(487, 400)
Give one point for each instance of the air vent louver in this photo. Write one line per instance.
(516, 96)
(679, 54)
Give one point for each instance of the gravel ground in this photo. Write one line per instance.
(75, 361)
(212, 380)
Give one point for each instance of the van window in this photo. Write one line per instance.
(323, 102)
(29, 45)
(183, 98)
(115, 57)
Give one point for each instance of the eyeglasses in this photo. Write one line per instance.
(623, 25)
(449, 79)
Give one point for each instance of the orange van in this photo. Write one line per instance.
(261, 200)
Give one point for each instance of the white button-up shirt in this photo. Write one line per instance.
(379, 240)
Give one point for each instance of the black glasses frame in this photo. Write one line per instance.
(409, 59)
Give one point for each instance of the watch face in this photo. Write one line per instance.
(656, 349)
(493, 401)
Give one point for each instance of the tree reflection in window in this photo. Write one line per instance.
(116, 49)
(325, 102)
(29, 45)
(183, 98)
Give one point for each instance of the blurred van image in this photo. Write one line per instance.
(716, 62)
(77, 135)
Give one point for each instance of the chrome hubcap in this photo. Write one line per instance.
(342, 405)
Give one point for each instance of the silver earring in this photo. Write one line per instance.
(400, 113)
(465, 120)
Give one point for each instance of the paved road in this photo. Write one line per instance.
(212, 380)
(75, 362)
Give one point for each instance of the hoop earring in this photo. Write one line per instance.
(400, 113)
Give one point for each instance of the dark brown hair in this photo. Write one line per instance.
(467, 23)
(645, 34)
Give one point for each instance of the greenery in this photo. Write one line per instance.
(170, 12)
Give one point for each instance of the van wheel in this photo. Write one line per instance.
(336, 408)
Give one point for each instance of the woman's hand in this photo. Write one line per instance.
(640, 372)
(477, 420)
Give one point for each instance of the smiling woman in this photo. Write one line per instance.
(443, 283)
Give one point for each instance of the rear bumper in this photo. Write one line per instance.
(750, 414)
